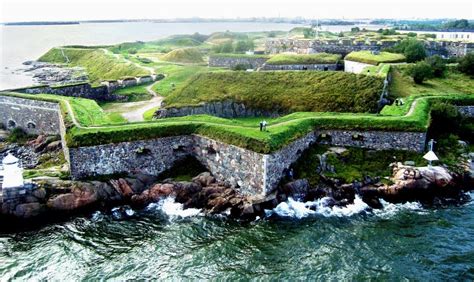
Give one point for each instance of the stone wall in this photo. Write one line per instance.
(225, 109)
(231, 62)
(354, 67)
(241, 168)
(344, 47)
(467, 111)
(144, 156)
(34, 117)
(321, 67)
(83, 90)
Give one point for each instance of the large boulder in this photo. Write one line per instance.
(297, 189)
(29, 210)
(80, 197)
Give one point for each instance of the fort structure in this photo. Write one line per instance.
(345, 46)
(250, 172)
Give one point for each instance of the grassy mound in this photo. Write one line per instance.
(369, 58)
(184, 55)
(289, 59)
(283, 91)
(99, 65)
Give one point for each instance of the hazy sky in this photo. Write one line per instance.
(46, 10)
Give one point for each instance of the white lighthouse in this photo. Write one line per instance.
(12, 173)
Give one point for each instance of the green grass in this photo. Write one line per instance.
(99, 65)
(232, 55)
(284, 91)
(184, 55)
(381, 70)
(135, 93)
(319, 58)
(369, 58)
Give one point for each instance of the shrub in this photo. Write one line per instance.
(17, 135)
(241, 67)
(437, 65)
(444, 118)
(413, 49)
(411, 34)
(466, 64)
(420, 71)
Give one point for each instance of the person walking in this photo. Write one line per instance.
(261, 125)
(264, 125)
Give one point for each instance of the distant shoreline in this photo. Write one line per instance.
(43, 23)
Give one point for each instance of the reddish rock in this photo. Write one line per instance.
(80, 197)
(28, 210)
(205, 179)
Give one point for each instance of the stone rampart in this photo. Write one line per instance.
(82, 90)
(232, 62)
(467, 111)
(344, 47)
(224, 109)
(34, 117)
(321, 67)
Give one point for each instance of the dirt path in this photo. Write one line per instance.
(137, 109)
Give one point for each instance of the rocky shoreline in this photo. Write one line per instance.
(50, 197)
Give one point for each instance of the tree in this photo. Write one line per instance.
(437, 65)
(420, 71)
(466, 64)
(413, 50)
(355, 29)
(411, 34)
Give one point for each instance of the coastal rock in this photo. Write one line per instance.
(28, 210)
(204, 179)
(80, 197)
(297, 189)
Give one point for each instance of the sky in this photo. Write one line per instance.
(53, 10)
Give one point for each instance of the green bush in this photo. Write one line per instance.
(413, 50)
(420, 71)
(18, 135)
(445, 119)
(466, 64)
(438, 66)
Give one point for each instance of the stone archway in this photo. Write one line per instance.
(31, 125)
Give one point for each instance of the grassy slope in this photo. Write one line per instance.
(98, 65)
(184, 55)
(369, 58)
(286, 91)
(135, 93)
(319, 58)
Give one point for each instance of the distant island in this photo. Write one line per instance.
(42, 23)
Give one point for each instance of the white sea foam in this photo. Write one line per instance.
(172, 209)
(295, 209)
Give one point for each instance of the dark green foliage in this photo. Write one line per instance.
(412, 49)
(437, 64)
(309, 33)
(18, 135)
(353, 164)
(241, 67)
(420, 71)
(225, 47)
(355, 29)
(411, 34)
(242, 46)
(459, 24)
(445, 119)
(466, 64)
(387, 31)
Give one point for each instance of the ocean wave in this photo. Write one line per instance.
(172, 209)
(295, 209)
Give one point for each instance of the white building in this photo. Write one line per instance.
(12, 172)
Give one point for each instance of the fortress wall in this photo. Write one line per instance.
(83, 90)
(34, 117)
(224, 109)
(467, 111)
(321, 67)
(227, 62)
